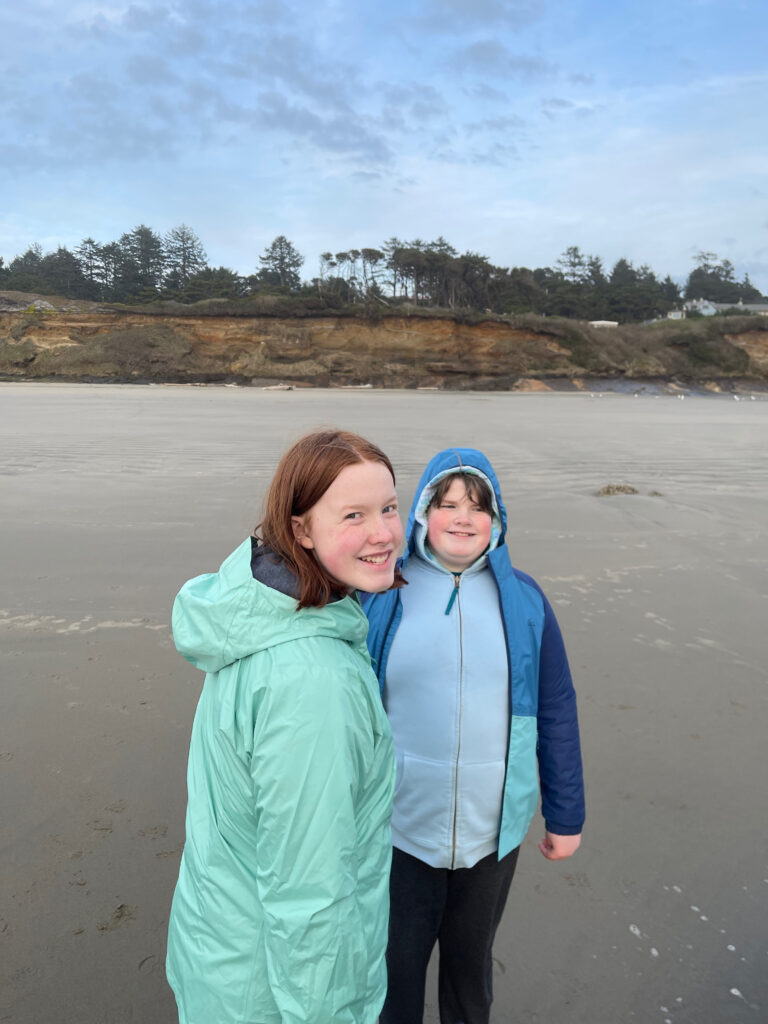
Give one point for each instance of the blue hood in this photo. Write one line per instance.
(447, 461)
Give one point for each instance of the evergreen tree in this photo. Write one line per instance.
(108, 270)
(24, 271)
(328, 281)
(748, 291)
(89, 256)
(392, 246)
(595, 275)
(623, 274)
(670, 293)
(144, 259)
(712, 279)
(476, 273)
(29, 261)
(516, 291)
(573, 265)
(346, 264)
(184, 256)
(213, 283)
(63, 274)
(373, 262)
(281, 263)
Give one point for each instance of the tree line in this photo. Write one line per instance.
(145, 266)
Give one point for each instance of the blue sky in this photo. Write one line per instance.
(514, 128)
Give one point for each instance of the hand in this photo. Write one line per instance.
(559, 847)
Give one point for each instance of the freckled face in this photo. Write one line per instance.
(458, 531)
(354, 529)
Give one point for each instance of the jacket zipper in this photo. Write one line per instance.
(456, 583)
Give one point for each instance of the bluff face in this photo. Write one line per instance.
(396, 352)
(122, 345)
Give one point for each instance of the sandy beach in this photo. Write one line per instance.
(111, 497)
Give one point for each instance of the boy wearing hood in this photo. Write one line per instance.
(476, 684)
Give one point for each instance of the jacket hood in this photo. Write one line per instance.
(249, 605)
(467, 460)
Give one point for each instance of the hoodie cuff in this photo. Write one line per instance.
(563, 830)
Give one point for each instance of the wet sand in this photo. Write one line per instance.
(110, 497)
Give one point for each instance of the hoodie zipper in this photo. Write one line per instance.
(454, 595)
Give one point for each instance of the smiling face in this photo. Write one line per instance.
(354, 529)
(458, 530)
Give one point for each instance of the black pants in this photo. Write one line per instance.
(460, 910)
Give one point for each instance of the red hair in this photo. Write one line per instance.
(304, 474)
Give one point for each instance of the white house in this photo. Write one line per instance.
(708, 308)
(703, 306)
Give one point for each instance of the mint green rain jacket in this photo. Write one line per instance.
(280, 911)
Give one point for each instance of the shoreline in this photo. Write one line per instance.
(636, 388)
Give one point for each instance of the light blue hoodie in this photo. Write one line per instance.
(450, 776)
(522, 702)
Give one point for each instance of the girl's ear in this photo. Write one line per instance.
(300, 533)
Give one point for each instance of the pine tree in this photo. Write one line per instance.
(281, 263)
(184, 256)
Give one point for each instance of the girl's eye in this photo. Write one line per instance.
(447, 504)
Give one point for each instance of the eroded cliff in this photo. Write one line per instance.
(394, 351)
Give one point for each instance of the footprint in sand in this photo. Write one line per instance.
(120, 916)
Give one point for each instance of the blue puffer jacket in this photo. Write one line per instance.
(543, 719)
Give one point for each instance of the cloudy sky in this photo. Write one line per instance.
(514, 128)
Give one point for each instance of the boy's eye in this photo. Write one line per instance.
(389, 508)
(353, 515)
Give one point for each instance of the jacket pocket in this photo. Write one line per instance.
(423, 801)
(480, 794)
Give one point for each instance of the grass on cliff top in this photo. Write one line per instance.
(300, 307)
(667, 332)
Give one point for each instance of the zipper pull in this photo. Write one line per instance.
(456, 582)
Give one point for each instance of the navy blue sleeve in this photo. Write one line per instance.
(560, 769)
(378, 609)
